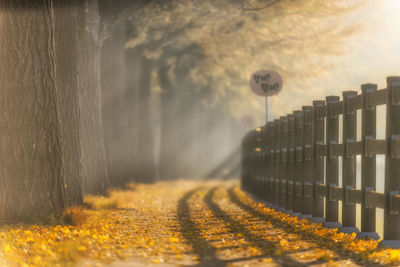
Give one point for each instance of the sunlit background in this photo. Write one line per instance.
(370, 55)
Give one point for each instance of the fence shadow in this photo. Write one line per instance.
(342, 252)
(267, 247)
(207, 254)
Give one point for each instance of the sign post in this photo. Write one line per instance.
(266, 83)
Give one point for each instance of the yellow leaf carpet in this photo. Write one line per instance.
(183, 223)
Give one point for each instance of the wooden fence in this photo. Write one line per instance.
(292, 163)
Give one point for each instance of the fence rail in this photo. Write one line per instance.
(293, 162)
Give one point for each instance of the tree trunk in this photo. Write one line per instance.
(37, 137)
(170, 144)
(92, 140)
(118, 122)
(66, 44)
(138, 97)
(187, 134)
(177, 109)
(145, 161)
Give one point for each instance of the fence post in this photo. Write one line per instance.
(262, 172)
(259, 161)
(267, 163)
(252, 162)
(368, 163)
(283, 169)
(392, 171)
(332, 167)
(349, 164)
(272, 162)
(243, 163)
(277, 128)
(248, 162)
(264, 166)
(256, 162)
(307, 202)
(290, 165)
(270, 158)
(298, 170)
(318, 168)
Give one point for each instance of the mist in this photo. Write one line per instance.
(181, 96)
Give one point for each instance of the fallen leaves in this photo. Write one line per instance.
(158, 224)
(112, 230)
(345, 243)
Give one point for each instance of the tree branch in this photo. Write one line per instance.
(115, 12)
(260, 8)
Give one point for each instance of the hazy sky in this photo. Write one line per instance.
(370, 56)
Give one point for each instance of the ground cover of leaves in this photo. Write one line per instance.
(183, 223)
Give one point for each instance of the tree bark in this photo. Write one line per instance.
(65, 14)
(138, 97)
(50, 112)
(144, 160)
(92, 140)
(34, 171)
(169, 140)
(177, 106)
(112, 89)
(118, 113)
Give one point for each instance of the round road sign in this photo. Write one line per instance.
(266, 82)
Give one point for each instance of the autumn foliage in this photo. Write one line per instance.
(182, 223)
